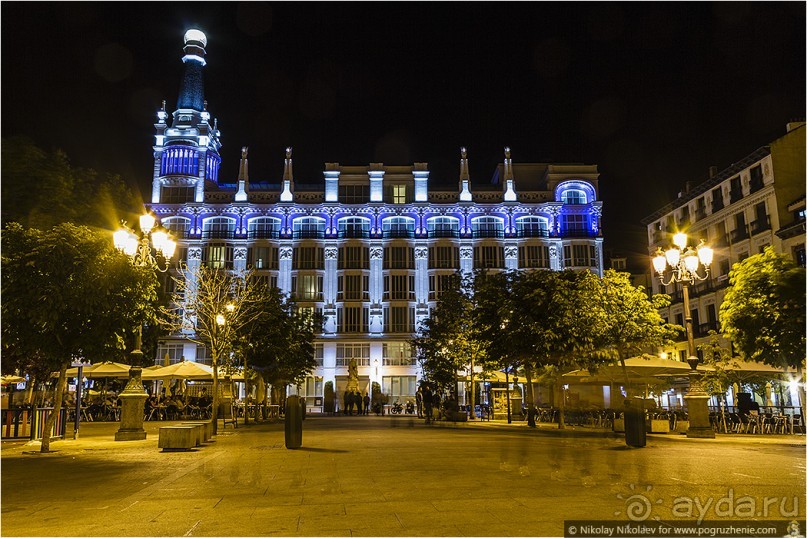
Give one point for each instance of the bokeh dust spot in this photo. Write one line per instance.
(113, 62)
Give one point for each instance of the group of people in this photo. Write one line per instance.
(355, 400)
(427, 401)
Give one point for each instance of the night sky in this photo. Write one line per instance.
(652, 93)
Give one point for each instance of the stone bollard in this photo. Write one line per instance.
(133, 405)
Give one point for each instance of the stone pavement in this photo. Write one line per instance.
(381, 476)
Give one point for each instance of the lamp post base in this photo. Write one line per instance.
(698, 410)
(133, 403)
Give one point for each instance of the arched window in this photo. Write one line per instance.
(264, 228)
(354, 227)
(178, 227)
(219, 228)
(487, 227)
(443, 227)
(532, 227)
(309, 227)
(573, 196)
(398, 227)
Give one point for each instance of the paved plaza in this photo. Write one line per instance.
(382, 476)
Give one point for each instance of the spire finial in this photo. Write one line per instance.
(288, 152)
(507, 152)
(287, 194)
(463, 152)
(163, 108)
(205, 104)
(465, 182)
(244, 151)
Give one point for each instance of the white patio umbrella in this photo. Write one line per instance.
(180, 370)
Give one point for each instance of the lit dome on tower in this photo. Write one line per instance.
(196, 35)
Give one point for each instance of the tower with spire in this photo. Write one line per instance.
(186, 152)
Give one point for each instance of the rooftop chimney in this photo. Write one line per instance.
(712, 171)
(794, 125)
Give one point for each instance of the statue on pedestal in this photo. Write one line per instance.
(352, 376)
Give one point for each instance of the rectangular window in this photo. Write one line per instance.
(399, 319)
(579, 256)
(311, 388)
(173, 350)
(444, 258)
(717, 199)
(353, 288)
(399, 258)
(398, 387)
(488, 257)
(218, 256)
(439, 284)
(345, 352)
(575, 225)
(262, 258)
(176, 195)
(755, 179)
(352, 319)
(533, 257)
(319, 353)
(353, 258)
(307, 287)
(308, 258)
(399, 288)
(399, 194)
(354, 194)
(398, 354)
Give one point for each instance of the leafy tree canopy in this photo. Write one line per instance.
(764, 307)
(42, 189)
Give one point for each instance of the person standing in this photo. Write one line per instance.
(419, 401)
(359, 403)
(427, 403)
(366, 403)
(347, 401)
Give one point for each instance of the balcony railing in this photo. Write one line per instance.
(218, 234)
(721, 241)
(755, 185)
(398, 234)
(308, 234)
(532, 232)
(704, 328)
(700, 213)
(735, 195)
(739, 234)
(354, 234)
(759, 226)
(488, 233)
(578, 233)
(444, 233)
(717, 204)
(264, 234)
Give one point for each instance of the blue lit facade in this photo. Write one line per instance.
(369, 247)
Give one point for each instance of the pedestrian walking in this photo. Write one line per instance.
(419, 401)
(427, 403)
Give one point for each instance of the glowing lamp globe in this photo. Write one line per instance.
(673, 256)
(680, 240)
(706, 254)
(159, 238)
(691, 261)
(659, 261)
(196, 35)
(220, 319)
(147, 221)
(169, 248)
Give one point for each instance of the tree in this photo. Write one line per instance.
(43, 189)
(212, 308)
(763, 312)
(627, 321)
(68, 293)
(279, 342)
(447, 340)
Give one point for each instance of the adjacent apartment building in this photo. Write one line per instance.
(368, 246)
(755, 202)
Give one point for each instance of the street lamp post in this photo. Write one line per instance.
(683, 263)
(138, 246)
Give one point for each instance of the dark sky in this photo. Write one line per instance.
(652, 93)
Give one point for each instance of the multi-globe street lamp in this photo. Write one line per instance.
(687, 265)
(140, 247)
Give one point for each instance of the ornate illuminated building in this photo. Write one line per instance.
(372, 246)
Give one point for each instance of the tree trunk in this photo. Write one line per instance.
(800, 373)
(57, 406)
(215, 412)
(530, 397)
(562, 406)
(246, 394)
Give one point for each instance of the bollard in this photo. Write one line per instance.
(293, 423)
(635, 430)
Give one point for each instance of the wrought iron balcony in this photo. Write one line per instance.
(218, 234)
(488, 233)
(354, 234)
(444, 233)
(759, 226)
(264, 234)
(739, 234)
(308, 234)
(398, 234)
(735, 195)
(532, 232)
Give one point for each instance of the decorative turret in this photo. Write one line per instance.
(465, 181)
(509, 181)
(243, 177)
(186, 154)
(287, 194)
(192, 90)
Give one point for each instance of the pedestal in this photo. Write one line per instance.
(698, 410)
(133, 404)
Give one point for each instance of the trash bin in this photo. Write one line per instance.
(293, 422)
(635, 429)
